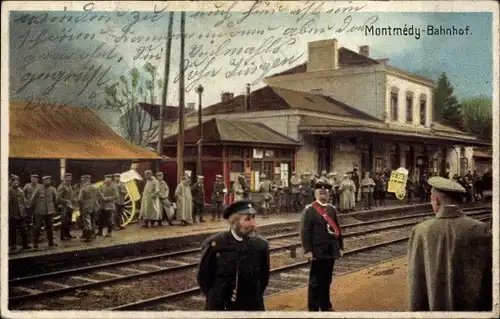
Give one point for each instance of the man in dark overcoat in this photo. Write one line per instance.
(234, 267)
(17, 214)
(65, 196)
(322, 243)
(449, 266)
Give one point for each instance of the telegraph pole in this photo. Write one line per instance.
(180, 134)
(161, 129)
(199, 169)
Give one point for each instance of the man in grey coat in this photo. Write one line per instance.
(45, 201)
(449, 264)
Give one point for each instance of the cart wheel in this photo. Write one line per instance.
(129, 210)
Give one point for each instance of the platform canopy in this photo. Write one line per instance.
(54, 132)
(436, 133)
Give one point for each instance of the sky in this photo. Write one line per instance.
(72, 57)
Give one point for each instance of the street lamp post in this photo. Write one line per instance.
(199, 90)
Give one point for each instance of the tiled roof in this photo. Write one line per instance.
(66, 132)
(236, 131)
(171, 113)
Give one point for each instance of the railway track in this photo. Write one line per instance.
(178, 266)
(283, 278)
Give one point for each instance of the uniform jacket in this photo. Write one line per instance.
(314, 235)
(217, 193)
(449, 266)
(65, 195)
(108, 194)
(198, 193)
(295, 184)
(87, 198)
(122, 191)
(17, 202)
(264, 187)
(45, 200)
(28, 190)
(222, 255)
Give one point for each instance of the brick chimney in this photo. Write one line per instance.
(323, 55)
(226, 96)
(364, 50)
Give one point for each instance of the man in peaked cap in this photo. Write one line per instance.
(120, 202)
(322, 242)
(108, 194)
(198, 194)
(449, 266)
(17, 214)
(65, 195)
(45, 201)
(219, 191)
(28, 190)
(87, 198)
(234, 267)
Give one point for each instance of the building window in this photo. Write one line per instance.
(409, 107)
(236, 151)
(237, 167)
(269, 169)
(394, 106)
(378, 165)
(423, 109)
(393, 160)
(257, 167)
(268, 153)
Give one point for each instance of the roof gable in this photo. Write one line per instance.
(48, 131)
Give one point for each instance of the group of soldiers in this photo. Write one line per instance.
(450, 256)
(36, 204)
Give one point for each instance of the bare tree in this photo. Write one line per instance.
(127, 94)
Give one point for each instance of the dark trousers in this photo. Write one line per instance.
(217, 212)
(66, 214)
(118, 216)
(295, 202)
(381, 197)
(320, 279)
(198, 209)
(409, 195)
(48, 225)
(368, 198)
(15, 225)
(106, 218)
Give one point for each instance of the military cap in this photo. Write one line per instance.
(446, 185)
(218, 175)
(34, 175)
(322, 185)
(117, 175)
(108, 176)
(85, 176)
(148, 172)
(13, 177)
(293, 173)
(159, 174)
(46, 177)
(323, 172)
(263, 175)
(68, 175)
(330, 174)
(200, 176)
(244, 207)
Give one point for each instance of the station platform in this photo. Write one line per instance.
(135, 234)
(382, 287)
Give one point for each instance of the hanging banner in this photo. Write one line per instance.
(397, 182)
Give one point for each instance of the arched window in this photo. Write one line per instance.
(409, 107)
(394, 103)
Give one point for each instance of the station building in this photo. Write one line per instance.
(344, 110)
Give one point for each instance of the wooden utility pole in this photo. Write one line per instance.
(180, 134)
(161, 129)
(199, 166)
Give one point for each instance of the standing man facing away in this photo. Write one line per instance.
(234, 267)
(449, 266)
(65, 195)
(198, 194)
(120, 201)
(322, 243)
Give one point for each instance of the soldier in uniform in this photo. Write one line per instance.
(87, 198)
(322, 243)
(45, 200)
(264, 188)
(278, 191)
(65, 195)
(367, 188)
(218, 193)
(17, 214)
(120, 202)
(28, 190)
(306, 190)
(239, 188)
(295, 192)
(450, 256)
(234, 267)
(108, 194)
(167, 211)
(198, 194)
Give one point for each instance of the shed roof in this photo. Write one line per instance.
(48, 131)
(235, 131)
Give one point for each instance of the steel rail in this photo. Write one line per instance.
(195, 290)
(64, 272)
(293, 247)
